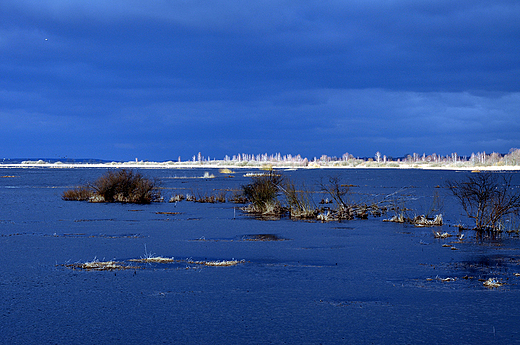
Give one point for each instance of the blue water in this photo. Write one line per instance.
(359, 281)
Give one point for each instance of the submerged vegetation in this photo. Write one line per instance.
(96, 265)
(297, 203)
(487, 198)
(125, 186)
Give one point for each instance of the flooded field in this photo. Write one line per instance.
(186, 272)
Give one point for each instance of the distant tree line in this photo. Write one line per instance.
(475, 159)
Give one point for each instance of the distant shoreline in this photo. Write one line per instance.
(264, 166)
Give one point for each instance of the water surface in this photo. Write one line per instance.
(360, 281)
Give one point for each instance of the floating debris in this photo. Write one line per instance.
(438, 234)
(423, 221)
(167, 213)
(492, 283)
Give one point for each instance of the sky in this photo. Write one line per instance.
(162, 79)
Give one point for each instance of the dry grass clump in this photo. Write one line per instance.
(153, 259)
(299, 202)
(204, 198)
(223, 263)
(125, 186)
(177, 198)
(423, 221)
(420, 221)
(441, 235)
(96, 265)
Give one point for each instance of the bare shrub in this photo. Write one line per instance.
(262, 193)
(124, 186)
(486, 198)
(337, 191)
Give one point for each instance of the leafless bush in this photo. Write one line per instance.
(126, 186)
(262, 193)
(337, 191)
(117, 186)
(486, 198)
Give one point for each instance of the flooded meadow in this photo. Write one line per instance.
(207, 272)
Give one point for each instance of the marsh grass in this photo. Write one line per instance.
(96, 265)
(204, 197)
(80, 193)
(177, 198)
(154, 259)
(223, 263)
(299, 202)
(419, 221)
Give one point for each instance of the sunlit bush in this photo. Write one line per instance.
(124, 186)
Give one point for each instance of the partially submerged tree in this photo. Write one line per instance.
(337, 191)
(486, 198)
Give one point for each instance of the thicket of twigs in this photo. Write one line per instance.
(487, 198)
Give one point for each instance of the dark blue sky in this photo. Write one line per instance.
(156, 80)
